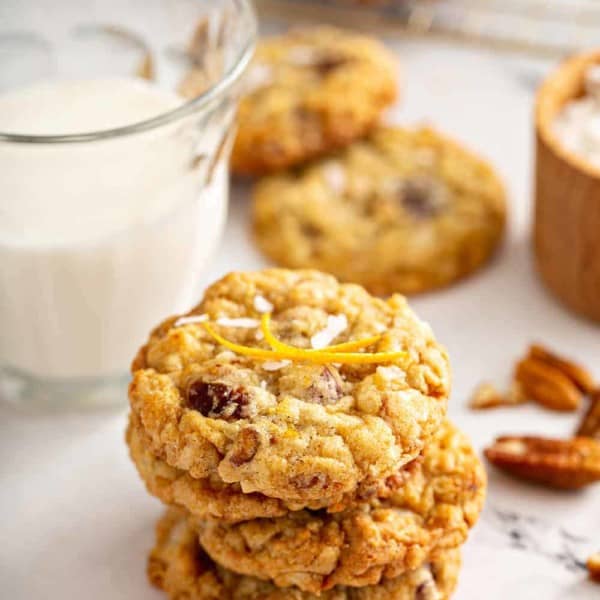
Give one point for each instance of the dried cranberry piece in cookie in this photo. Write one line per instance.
(218, 400)
(422, 197)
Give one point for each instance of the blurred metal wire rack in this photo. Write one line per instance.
(542, 27)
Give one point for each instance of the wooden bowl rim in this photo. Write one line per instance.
(544, 115)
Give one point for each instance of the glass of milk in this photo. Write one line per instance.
(116, 122)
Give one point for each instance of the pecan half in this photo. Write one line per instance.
(565, 464)
(590, 424)
(218, 400)
(580, 376)
(593, 566)
(547, 385)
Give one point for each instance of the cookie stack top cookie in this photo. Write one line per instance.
(285, 386)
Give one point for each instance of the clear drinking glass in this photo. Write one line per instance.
(116, 122)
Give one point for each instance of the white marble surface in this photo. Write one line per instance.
(76, 521)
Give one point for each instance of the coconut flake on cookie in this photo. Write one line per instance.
(190, 319)
(262, 305)
(275, 365)
(241, 322)
(335, 325)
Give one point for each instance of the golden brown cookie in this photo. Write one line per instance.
(210, 497)
(307, 92)
(305, 425)
(436, 501)
(178, 565)
(401, 211)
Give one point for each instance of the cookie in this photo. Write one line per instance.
(307, 92)
(436, 501)
(401, 211)
(210, 497)
(178, 565)
(309, 423)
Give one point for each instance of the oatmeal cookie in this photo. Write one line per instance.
(178, 565)
(401, 211)
(309, 428)
(307, 92)
(211, 498)
(436, 501)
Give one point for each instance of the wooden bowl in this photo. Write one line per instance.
(567, 199)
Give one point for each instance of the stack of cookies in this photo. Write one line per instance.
(297, 429)
(394, 209)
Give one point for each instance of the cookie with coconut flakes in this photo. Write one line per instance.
(307, 92)
(178, 565)
(220, 395)
(400, 211)
(430, 507)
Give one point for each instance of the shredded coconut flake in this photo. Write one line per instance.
(275, 365)
(191, 319)
(258, 76)
(335, 325)
(263, 384)
(335, 176)
(262, 305)
(303, 56)
(242, 322)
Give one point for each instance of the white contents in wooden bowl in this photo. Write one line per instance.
(577, 125)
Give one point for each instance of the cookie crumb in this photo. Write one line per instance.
(486, 395)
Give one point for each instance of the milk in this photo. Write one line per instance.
(100, 240)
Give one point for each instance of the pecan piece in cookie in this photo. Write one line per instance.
(580, 376)
(427, 590)
(547, 385)
(246, 446)
(565, 464)
(306, 481)
(327, 389)
(218, 401)
(590, 424)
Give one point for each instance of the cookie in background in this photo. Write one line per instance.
(308, 92)
(404, 210)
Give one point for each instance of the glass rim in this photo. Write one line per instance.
(213, 92)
